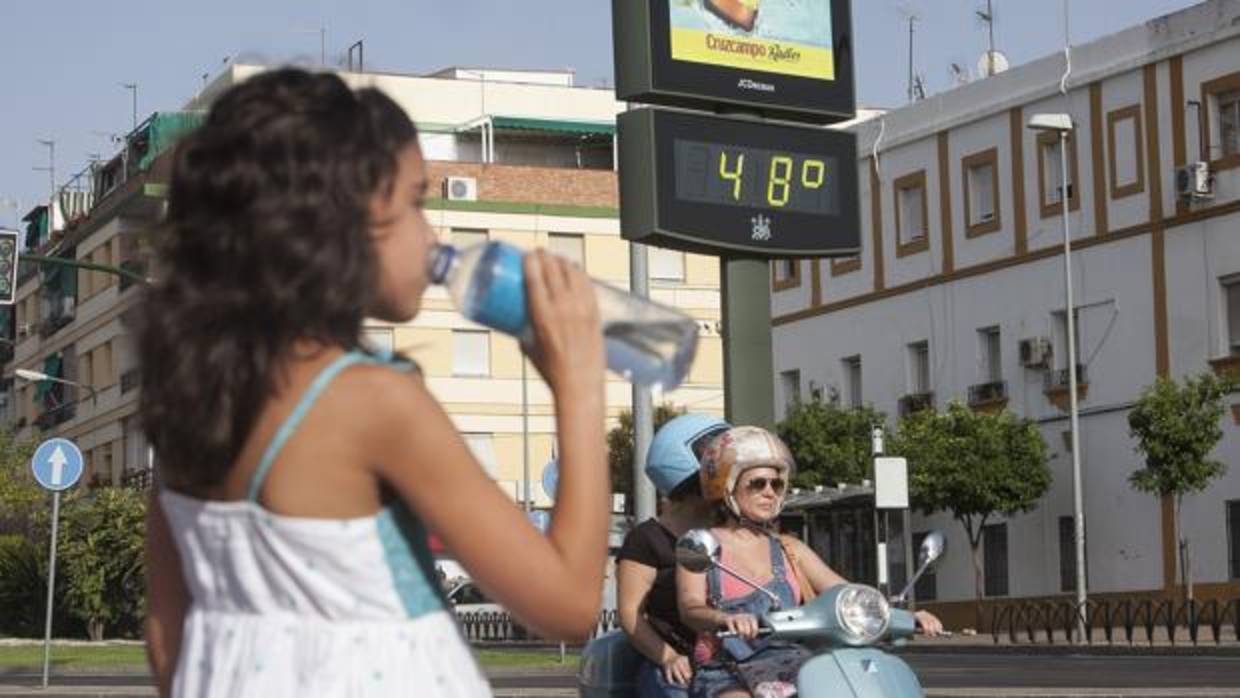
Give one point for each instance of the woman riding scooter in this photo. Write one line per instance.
(745, 473)
(646, 564)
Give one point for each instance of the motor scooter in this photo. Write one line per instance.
(841, 627)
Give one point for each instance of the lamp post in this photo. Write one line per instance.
(1062, 125)
(35, 376)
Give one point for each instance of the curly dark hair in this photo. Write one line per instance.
(266, 242)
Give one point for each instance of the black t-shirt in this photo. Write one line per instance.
(653, 545)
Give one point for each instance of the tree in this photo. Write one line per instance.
(1176, 428)
(830, 444)
(620, 450)
(23, 504)
(101, 544)
(977, 466)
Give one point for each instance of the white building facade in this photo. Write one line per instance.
(958, 293)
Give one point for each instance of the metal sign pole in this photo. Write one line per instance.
(748, 386)
(644, 497)
(51, 587)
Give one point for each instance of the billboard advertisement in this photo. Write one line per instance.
(784, 37)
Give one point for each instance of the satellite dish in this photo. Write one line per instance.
(1000, 62)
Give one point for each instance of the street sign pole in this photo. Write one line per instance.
(56, 465)
(51, 587)
(748, 385)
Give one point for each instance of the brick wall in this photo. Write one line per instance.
(534, 185)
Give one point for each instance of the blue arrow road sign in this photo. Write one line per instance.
(57, 464)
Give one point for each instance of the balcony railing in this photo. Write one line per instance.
(916, 402)
(139, 479)
(1058, 379)
(984, 393)
(57, 415)
(130, 380)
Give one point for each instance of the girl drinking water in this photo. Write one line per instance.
(300, 472)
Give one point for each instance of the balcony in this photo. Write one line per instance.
(55, 416)
(1055, 385)
(916, 402)
(139, 479)
(1058, 378)
(985, 397)
(130, 380)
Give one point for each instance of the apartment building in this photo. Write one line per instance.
(958, 293)
(523, 157)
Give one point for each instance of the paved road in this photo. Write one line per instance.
(1025, 671)
(998, 671)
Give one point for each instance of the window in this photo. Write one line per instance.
(568, 246)
(852, 376)
(379, 339)
(483, 448)
(991, 354)
(1124, 152)
(1229, 123)
(666, 265)
(919, 367)
(1233, 536)
(785, 274)
(1231, 296)
(981, 193)
(927, 587)
(995, 557)
(1051, 182)
(790, 382)
(911, 214)
(1221, 143)
(471, 353)
(1060, 351)
(464, 239)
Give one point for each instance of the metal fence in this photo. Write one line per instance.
(499, 626)
(1125, 620)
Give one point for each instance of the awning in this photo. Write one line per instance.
(164, 129)
(51, 367)
(584, 128)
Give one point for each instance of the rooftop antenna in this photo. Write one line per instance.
(959, 73)
(909, 14)
(987, 16)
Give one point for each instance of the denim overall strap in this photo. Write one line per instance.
(714, 586)
(779, 570)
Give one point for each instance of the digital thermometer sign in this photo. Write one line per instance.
(708, 183)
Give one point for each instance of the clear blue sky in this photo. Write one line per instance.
(62, 62)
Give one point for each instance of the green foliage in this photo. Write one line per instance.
(974, 465)
(23, 504)
(830, 444)
(1176, 428)
(101, 543)
(620, 449)
(23, 590)
(971, 464)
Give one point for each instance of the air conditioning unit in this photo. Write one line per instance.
(460, 189)
(1035, 352)
(1194, 181)
(23, 329)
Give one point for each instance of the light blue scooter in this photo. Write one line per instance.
(840, 627)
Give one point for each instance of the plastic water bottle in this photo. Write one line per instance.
(647, 343)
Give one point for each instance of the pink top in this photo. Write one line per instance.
(708, 644)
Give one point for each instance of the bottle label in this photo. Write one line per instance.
(500, 304)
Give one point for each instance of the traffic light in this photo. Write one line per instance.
(8, 266)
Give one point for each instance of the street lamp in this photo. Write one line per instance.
(1062, 125)
(35, 376)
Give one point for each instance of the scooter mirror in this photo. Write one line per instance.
(932, 548)
(697, 550)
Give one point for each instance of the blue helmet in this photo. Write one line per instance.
(672, 458)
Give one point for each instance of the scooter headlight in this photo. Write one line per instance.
(863, 613)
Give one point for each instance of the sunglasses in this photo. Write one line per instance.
(758, 484)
